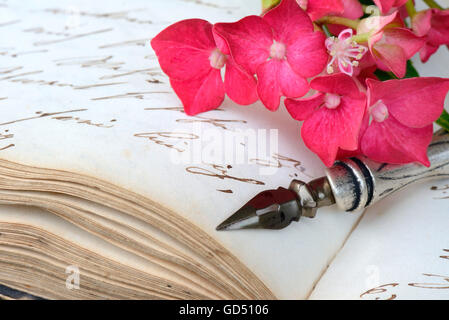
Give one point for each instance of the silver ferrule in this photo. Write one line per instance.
(359, 182)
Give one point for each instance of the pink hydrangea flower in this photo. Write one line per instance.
(402, 113)
(433, 24)
(352, 9)
(390, 43)
(386, 5)
(281, 48)
(344, 52)
(344, 154)
(188, 54)
(332, 117)
(319, 8)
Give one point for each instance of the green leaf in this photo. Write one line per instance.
(411, 71)
(387, 75)
(384, 75)
(268, 4)
(443, 120)
(367, 2)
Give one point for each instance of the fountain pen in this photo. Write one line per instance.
(352, 184)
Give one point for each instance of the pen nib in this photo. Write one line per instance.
(270, 209)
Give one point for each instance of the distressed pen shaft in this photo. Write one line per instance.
(358, 183)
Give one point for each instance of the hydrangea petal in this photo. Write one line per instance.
(433, 25)
(276, 78)
(336, 83)
(375, 23)
(390, 57)
(287, 20)
(427, 51)
(181, 56)
(352, 9)
(404, 38)
(421, 22)
(367, 73)
(415, 102)
(392, 142)
(220, 42)
(328, 130)
(307, 54)
(202, 94)
(386, 5)
(342, 153)
(302, 109)
(439, 31)
(239, 85)
(268, 87)
(320, 8)
(249, 41)
(292, 85)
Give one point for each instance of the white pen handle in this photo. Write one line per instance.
(357, 183)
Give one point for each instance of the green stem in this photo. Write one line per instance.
(361, 38)
(443, 120)
(433, 4)
(326, 31)
(410, 6)
(339, 20)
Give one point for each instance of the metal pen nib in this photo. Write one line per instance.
(276, 209)
(352, 184)
(270, 209)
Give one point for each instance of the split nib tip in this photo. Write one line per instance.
(270, 209)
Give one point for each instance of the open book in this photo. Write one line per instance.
(108, 190)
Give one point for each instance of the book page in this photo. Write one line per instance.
(73, 248)
(400, 248)
(82, 91)
(398, 251)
